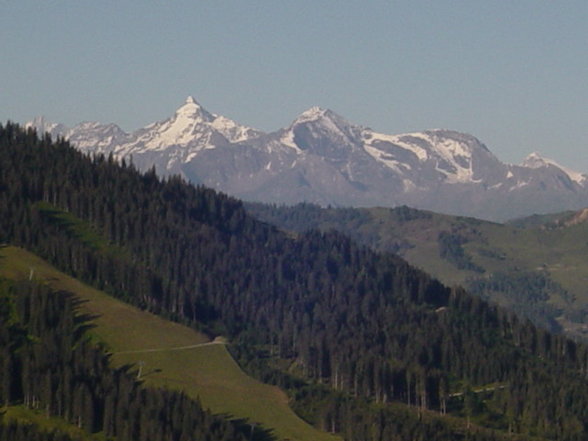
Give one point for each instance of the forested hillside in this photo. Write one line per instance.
(536, 266)
(48, 363)
(353, 333)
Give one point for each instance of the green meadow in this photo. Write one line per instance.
(168, 354)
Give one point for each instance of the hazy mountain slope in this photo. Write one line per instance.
(322, 158)
(495, 260)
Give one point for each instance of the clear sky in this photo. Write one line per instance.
(513, 73)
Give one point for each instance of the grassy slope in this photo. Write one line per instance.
(560, 252)
(39, 419)
(207, 372)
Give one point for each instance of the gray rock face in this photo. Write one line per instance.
(322, 158)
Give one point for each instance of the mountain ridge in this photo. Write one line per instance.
(323, 158)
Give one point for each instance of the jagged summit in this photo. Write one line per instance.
(190, 130)
(192, 110)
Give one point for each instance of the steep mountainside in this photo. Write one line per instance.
(324, 159)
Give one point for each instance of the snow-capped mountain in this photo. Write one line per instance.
(191, 125)
(165, 144)
(320, 157)
(535, 160)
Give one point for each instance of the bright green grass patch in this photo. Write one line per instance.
(38, 418)
(80, 229)
(211, 373)
(158, 346)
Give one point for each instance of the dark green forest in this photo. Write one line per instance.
(14, 431)
(366, 345)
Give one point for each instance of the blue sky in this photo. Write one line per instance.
(513, 73)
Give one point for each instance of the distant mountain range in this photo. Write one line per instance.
(324, 159)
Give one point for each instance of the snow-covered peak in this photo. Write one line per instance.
(313, 114)
(447, 146)
(189, 122)
(191, 104)
(535, 160)
(192, 110)
(321, 116)
(452, 154)
(326, 120)
(188, 131)
(373, 139)
(232, 131)
(318, 130)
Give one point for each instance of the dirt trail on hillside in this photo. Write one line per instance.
(216, 341)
